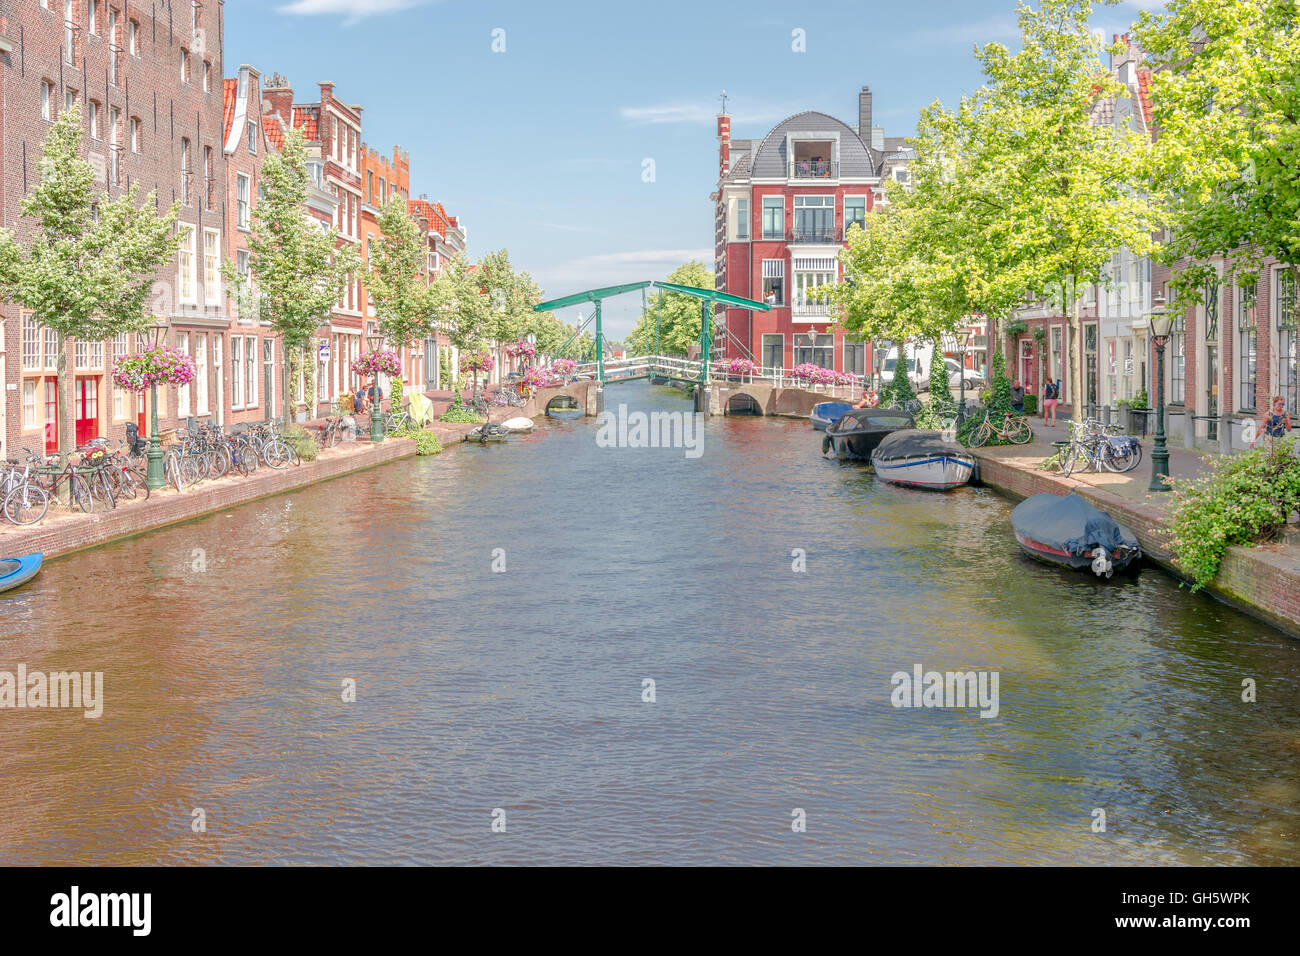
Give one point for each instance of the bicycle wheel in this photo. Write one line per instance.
(79, 495)
(222, 460)
(331, 436)
(982, 433)
(249, 459)
(1018, 432)
(1070, 459)
(1121, 461)
(102, 488)
(136, 481)
(121, 487)
(276, 454)
(26, 504)
(294, 458)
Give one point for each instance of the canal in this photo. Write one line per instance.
(225, 645)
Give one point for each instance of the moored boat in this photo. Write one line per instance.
(826, 413)
(15, 572)
(489, 431)
(859, 430)
(1070, 532)
(520, 424)
(922, 459)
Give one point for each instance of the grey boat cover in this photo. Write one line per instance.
(1070, 524)
(859, 419)
(915, 443)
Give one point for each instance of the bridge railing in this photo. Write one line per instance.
(690, 369)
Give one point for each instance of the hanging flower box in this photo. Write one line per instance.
(477, 362)
(378, 362)
(162, 365)
(525, 349)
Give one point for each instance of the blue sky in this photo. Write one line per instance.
(540, 148)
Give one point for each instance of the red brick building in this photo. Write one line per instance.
(147, 78)
(782, 207)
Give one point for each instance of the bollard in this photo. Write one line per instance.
(1189, 429)
(1225, 435)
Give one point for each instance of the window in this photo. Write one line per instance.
(113, 49)
(811, 274)
(183, 391)
(236, 371)
(1055, 358)
(92, 17)
(268, 360)
(207, 76)
(742, 218)
(243, 218)
(31, 344)
(817, 349)
(194, 17)
(855, 211)
(185, 171)
(133, 38)
(185, 65)
(209, 182)
(250, 371)
(773, 350)
(900, 175)
(1212, 311)
(855, 358)
(69, 33)
(185, 265)
(135, 134)
(1288, 374)
(121, 397)
(252, 137)
(114, 120)
(201, 373)
(51, 350)
(47, 100)
(1247, 301)
(69, 99)
(814, 219)
(211, 267)
(93, 113)
(773, 217)
(1177, 362)
(30, 421)
(774, 281)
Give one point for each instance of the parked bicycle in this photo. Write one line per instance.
(25, 500)
(1014, 429)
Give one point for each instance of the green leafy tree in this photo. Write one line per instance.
(404, 303)
(462, 307)
(679, 323)
(1226, 99)
(300, 268)
(89, 262)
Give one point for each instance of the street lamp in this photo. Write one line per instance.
(1160, 324)
(154, 477)
(879, 359)
(963, 339)
(376, 422)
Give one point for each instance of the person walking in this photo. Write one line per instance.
(1275, 425)
(1051, 398)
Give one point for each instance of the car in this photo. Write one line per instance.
(956, 374)
(918, 365)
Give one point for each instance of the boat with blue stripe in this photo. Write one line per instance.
(15, 572)
(922, 459)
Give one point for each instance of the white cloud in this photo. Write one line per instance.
(695, 113)
(351, 10)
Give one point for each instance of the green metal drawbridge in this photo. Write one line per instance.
(655, 365)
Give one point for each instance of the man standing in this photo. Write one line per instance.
(1018, 398)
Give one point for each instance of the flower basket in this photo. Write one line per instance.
(378, 362)
(476, 362)
(524, 349)
(161, 365)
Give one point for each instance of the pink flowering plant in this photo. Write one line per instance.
(476, 362)
(563, 368)
(162, 365)
(378, 362)
(741, 366)
(525, 349)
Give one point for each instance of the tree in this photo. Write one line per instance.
(90, 262)
(1225, 94)
(461, 305)
(404, 303)
(679, 323)
(300, 268)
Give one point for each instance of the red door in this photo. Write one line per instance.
(51, 415)
(86, 396)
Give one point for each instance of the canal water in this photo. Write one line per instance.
(519, 695)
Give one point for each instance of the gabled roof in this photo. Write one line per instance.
(230, 89)
(274, 132)
(1144, 96)
(307, 119)
(771, 162)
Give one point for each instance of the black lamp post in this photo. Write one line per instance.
(1160, 323)
(885, 346)
(963, 339)
(154, 472)
(376, 420)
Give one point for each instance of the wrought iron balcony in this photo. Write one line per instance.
(814, 169)
(814, 234)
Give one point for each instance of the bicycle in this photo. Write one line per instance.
(1102, 447)
(58, 470)
(1013, 429)
(25, 501)
(328, 435)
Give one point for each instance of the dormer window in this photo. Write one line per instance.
(813, 159)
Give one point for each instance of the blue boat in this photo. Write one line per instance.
(825, 413)
(18, 571)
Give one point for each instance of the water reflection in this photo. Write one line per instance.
(478, 690)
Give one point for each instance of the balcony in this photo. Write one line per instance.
(814, 169)
(808, 235)
(809, 311)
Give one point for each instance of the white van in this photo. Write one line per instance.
(919, 356)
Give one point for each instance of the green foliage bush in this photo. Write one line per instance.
(997, 400)
(457, 412)
(303, 442)
(1031, 404)
(426, 442)
(1244, 498)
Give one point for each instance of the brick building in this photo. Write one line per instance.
(782, 207)
(385, 178)
(148, 81)
(446, 239)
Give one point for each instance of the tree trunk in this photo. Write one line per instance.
(66, 435)
(312, 366)
(1076, 361)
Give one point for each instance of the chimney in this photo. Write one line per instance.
(877, 137)
(277, 92)
(724, 145)
(864, 114)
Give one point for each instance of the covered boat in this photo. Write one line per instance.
(487, 432)
(18, 571)
(859, 430)
(520, 424)
(824, 413)
(1068, 531)
(922, 459)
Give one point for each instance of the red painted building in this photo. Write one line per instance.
(783, 205)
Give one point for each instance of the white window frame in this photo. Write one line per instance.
(236, 373)
(186, 267)
(251, 369)
(183, 391)
(201, 402)
(212, 267)
(243, 206)
(47, 101)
